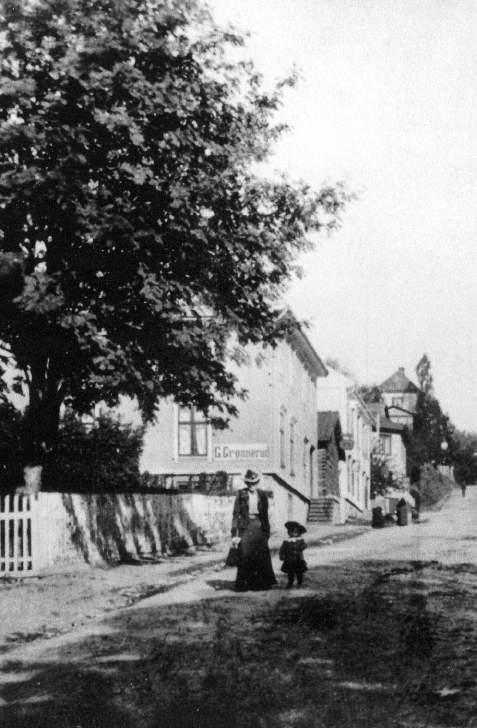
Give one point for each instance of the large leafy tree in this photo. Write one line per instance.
(424, 375)
(432, 437)
(465, 457)
(10, 445)
(135, 234)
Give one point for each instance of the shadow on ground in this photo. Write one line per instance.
(222, 584)
(366, 645)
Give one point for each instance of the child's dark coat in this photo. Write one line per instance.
(291, 553)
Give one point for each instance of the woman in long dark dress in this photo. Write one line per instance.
(250, 524)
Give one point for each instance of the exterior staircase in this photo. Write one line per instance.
(322, 510)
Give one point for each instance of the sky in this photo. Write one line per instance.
(387, 103)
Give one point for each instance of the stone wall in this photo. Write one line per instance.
(73, 529)
(80, 529)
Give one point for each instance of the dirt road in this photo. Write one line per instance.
(383, 634)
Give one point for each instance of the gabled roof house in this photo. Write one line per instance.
(400, 397)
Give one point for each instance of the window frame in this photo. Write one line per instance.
(292, 445)
(386, 442)
(281, 434)
(194, 421)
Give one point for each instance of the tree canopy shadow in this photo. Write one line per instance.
(63, 695)
(222, 584)
(364, 647)
(128, 528)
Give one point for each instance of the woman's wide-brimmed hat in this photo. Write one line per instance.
(295, 526)
(251, 477)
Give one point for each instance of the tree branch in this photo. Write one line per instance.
(7, 350)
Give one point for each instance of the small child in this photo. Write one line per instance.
(291, 553)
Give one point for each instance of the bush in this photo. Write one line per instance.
(381, 476)
(11, 456)
(433, 486)
(103, 458)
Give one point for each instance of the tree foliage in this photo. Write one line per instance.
(370, 393)
(433, 486)
(424, 376)
(432, 427)
(465, 457)
(11, 449)
(103, 458)
(134, 234)
(381, 474)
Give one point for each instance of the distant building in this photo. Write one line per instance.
(339, 393)
(274, 433)
(390, 442)
(400, 398)
(330, 453)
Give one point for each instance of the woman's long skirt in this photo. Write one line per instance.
(255, 570)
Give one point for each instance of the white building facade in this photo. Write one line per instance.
(275, 433)
(391, 446)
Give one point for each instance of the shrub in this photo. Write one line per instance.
(102, 458)
(433, 486)
(11, 457)
(381, 475)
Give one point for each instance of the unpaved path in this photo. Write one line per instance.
(38, 608)
(41, 607)
(384, 634)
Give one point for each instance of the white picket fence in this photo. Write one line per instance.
(17, 535)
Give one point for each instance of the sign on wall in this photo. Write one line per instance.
(248, 451)
(347, 442)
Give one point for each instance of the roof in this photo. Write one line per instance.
(386, 425)
(398, 382)
(327, 422)
(303, 347)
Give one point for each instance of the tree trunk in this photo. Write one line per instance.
(42, 419)
(32, 479)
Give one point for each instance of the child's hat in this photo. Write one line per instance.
(295, 526)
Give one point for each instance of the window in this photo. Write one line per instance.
(304, 465)
(350, 474)
(354, 478)
(290, 507)
(292, 446)
(291, 368)
(192, 432)
(397, 401)
(282, 438)
(312, 471)
(386, 443)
